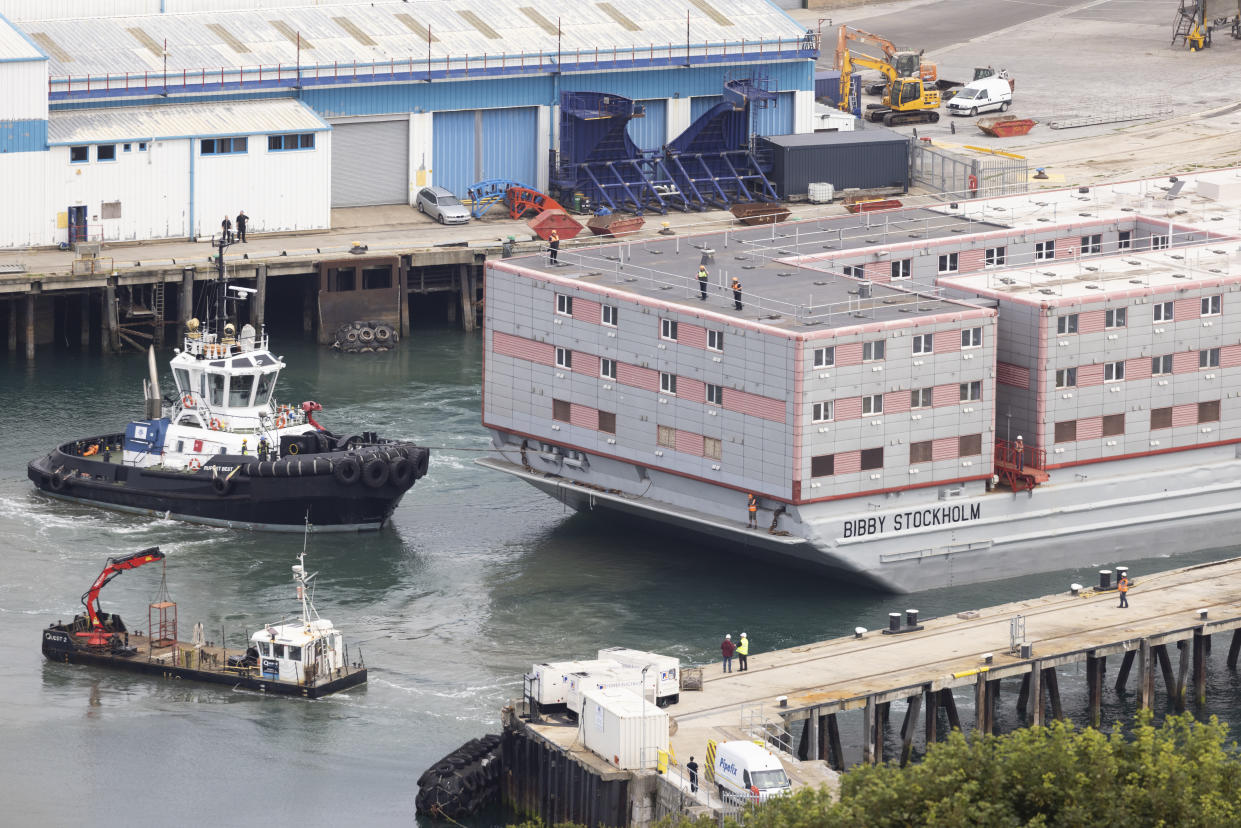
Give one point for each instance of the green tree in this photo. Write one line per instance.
(1183, 773)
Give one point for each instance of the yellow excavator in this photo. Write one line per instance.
(906, 100)
(906, 62)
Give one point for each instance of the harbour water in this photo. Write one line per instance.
(478, 577)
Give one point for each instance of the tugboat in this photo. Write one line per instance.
(305, 656)
(224, 452)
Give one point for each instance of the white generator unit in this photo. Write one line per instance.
(622, 729)
(617, 678)
(664, 673)
(549, 682)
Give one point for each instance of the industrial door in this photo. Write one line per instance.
(370, 163)
(774, 120)
(478, 144)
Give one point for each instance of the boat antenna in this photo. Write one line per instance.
(303, 580)
(221, 308)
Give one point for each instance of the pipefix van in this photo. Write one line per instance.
(743, 769)
(982, 95)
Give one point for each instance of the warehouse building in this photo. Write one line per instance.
(288, 112)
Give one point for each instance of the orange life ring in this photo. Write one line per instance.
(187, 401)
(215, 425)
(973, 183)
(281, 422)
(195, 464)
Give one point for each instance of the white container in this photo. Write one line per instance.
(820, 192)
(616, 678)
(664, 674)
(551, 679)
(623, 729)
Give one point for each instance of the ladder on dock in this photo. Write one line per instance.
(157, 307)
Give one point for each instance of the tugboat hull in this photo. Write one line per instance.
(240, 492)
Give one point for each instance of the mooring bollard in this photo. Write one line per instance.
(894, 621)
(1121, 572)
(911, 618)
(1105, 579)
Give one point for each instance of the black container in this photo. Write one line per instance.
(865, 158)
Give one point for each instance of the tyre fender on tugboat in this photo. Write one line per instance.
(347, 471)
(57, 482)
(375, 472)
(422, 462)
(401, 472)
(222, 484)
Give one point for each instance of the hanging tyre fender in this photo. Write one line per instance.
(401, 473)
(57, 482)
(347, 471)
(422, 462)
(375, 472)
(222, 484)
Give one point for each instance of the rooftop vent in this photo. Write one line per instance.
(1180, 276)
(1008, 280)
(1094, 287)
(1047, 291)
(1135, 281)
(820, 284)
(1132, 261)
(1091, 268)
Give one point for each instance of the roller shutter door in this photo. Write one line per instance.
(478, 144)
(788, 4)
(370, 163)
(774, 120)
(650, 132)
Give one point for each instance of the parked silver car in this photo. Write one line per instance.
(442, 206)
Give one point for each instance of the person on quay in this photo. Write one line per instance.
(752, 508)
(692, 767)
(702, 282)
(1020, 448)
(226, 229)
(728, 648)
(242, 220)
(737, 293)
(553, 247)
(743, 651)
(1122, 586)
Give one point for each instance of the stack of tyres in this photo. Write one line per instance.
(463, 781)
(365, 337)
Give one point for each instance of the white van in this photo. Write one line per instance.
(744, 769)
(981, 95)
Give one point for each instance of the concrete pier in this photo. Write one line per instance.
(794, 699)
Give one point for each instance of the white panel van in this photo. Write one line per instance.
(983, 95)
(743, 769)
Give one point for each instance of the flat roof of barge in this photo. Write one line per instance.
(776, 290)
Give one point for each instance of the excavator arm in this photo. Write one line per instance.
(114, 567)
(851, 60)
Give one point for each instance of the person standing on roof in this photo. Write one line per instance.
(702, 282)
(553, 247)
(242, 218)
(752, 506)
(1020, 448)
(727, 648)
(226, 230)
(743, 650)
(737, 293)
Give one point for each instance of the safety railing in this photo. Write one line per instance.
(430, 67)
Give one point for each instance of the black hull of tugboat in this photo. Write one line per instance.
(55, 648)
(238, 492)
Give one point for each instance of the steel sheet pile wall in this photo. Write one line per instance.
(542, 780)
(866, 158)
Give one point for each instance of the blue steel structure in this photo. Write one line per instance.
(713, 163)
(483, 195)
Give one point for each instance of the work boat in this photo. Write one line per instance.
(223, 451)
(303, 656)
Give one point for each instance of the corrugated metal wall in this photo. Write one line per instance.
(280, 191)
(473, 145)
(370, 163)
(453, 150)
(774, 120)
(702, 104)
(25, 90)
(650, 132)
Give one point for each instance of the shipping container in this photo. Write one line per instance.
(616, 678)
(550, 681)
(865, 158)
(664, 673)
(622, 728)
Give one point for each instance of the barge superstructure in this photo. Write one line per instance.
(949, 394)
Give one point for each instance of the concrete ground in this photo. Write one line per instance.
(1067, 56)
(1072, 58)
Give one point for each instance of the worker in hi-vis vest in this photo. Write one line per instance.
(752, 505)
(1122, 587)
(702, 282)
(743, 650)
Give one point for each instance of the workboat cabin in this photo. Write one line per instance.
(299, 652)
